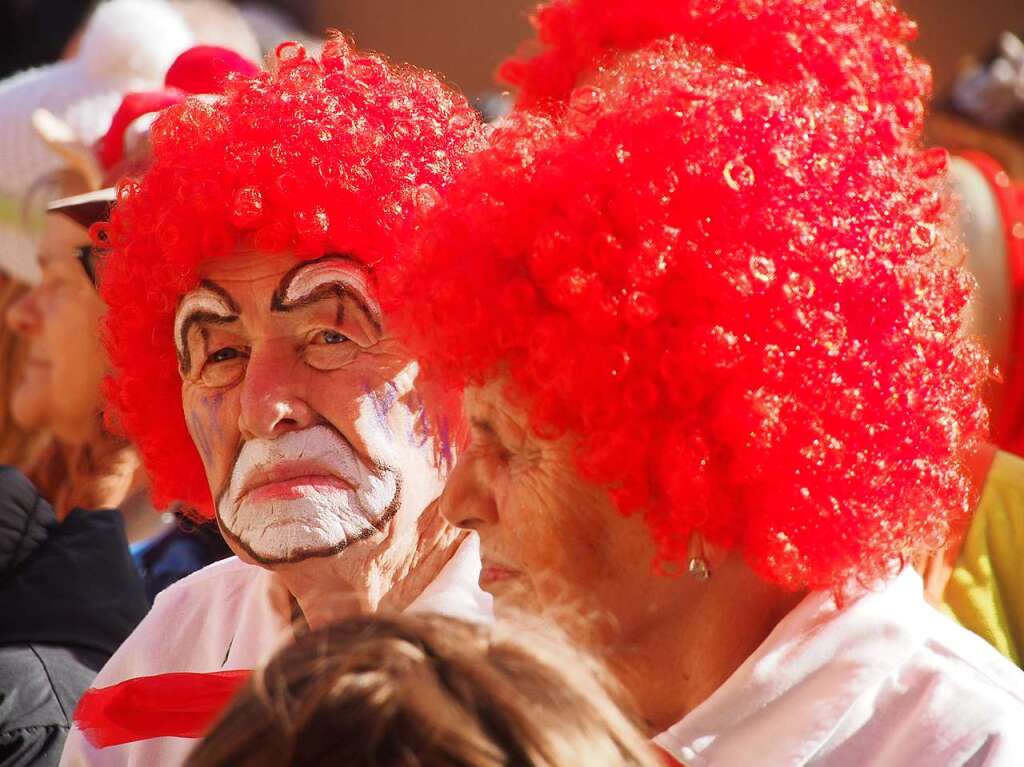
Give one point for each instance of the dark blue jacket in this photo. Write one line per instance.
(69, 596)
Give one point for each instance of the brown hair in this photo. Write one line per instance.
(425, 691)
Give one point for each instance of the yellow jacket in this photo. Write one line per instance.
(985, 591)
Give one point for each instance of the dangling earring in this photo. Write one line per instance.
(696, 562)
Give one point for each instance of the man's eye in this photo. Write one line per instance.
(330, 337)
(224, 367)
(223, 355)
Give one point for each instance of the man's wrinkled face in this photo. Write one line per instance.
(302, 407)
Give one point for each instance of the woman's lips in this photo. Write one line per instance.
(493, 574)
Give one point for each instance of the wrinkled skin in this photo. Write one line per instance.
(551, 542)
(323, 371)
(60, 388)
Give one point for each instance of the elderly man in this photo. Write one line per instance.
(256, 370)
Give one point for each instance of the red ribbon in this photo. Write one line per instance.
(176, 705)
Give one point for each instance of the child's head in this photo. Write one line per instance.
(424, 691)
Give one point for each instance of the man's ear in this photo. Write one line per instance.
(61, 138)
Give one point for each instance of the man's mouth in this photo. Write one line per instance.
(289, 480)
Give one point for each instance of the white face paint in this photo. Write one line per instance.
(202, 303)
(304, 494)
(310, 277)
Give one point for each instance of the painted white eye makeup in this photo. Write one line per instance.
(207, 303)
(333, 275)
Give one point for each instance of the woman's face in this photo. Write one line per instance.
(551, 542)
(59, 318)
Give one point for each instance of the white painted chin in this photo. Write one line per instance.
(315, 522)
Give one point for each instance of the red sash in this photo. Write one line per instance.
(166, 705)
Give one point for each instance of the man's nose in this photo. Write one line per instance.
(23, 315)
(273, 395)
(467, 500)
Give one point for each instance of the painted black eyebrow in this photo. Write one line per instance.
(279, 303)
(184, 355)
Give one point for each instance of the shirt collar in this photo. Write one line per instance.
(788, 697)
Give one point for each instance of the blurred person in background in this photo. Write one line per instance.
(89, 467)
(425, 691)
(69, 591)
(978, 578)
(256, 371)
(116, 56)
(707, 317)
(189, 544)
(69, 596)
(982, 123)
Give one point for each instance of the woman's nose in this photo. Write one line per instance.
(467, 501)
(23, 315)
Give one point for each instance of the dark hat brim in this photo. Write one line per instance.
(86, 209)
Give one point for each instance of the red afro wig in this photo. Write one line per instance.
(855, 49)
(316, 156)
(737, 295)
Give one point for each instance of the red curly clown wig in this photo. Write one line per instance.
(783, 41)
(735, 293)
(316, 156)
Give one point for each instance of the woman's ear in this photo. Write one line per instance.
(703, 557)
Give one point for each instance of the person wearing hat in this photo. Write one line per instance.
(706, 315)
(127, 44)
(186, 546)
(60, 317)
(255, 368)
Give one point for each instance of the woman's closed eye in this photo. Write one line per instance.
(487, 441)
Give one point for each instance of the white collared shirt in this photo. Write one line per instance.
(883, 681)
(223, 618)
